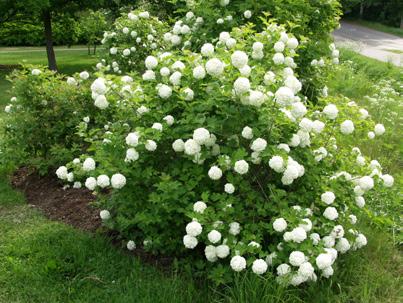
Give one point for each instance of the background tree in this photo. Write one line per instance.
(93, 24)
(47, 10)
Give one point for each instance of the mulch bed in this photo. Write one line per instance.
(70, 206)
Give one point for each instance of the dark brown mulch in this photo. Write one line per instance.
(70, 206)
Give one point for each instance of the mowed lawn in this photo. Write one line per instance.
(45, 261)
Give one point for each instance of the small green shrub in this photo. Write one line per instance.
(42, 117)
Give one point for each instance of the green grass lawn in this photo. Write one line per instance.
(45, 261)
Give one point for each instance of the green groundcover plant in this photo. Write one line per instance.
(218, 156)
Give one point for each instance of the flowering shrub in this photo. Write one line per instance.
(311, 21)
(42, 117)
(219, 155)
(134, 36)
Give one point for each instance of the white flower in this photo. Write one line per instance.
(101, 102)
(306, 270)
(77, 185)
(199, 72)
(379, 129)
(284, 96)
(315, 237)
(178, 145)
(306, 225)
(151, 145)
(164, 71)
(142, 110)
(247, 14)
(210, 253)
(360, 241)
(164, 91)
(132, 139)
(331, 111)
(284, 147)
(131, 155)
(277, 164)
(247, 132)
(191, 147)
(91, 183)
(259, 266)
(144, 15)
(207, 49)
(298, 110)
(328, 197)
(278, 58)
(234, 228)
(371, 135)
(199, 207)
(113, 50)
(169, 120)
(324, 260)
(241, 167)
(118, 181)
(201, 135)
(104, 214)
(241, 85)
(239, 59)
(103, 181)
(190, 241)
(259, 145)
(61, 172)
(296, 258)
(126, 52)
(151, 62)
(388, 180)
(292, 43)
(279, 224)
(84, 75)
(189, 94)
(347, 127)
(238, 263)
(364, 113)
(157, 126)
(89, 164)
(214, 67)
(360, 201)
(215, 173)
(293, 83)
(318, 126)
(353, 219)
(149, 75)
(222, 251)
(71, 81)
(194, 228)
(366, 183)
(36, 72)
(175, 78)
(298, 234)
(214, 236)
(331, 213)
(283, 269)
(327, 272)
(131, 245)
(343, 245)
(328, 241)
(229, 188)
(279, 47)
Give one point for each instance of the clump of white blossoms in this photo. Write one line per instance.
(230, 128)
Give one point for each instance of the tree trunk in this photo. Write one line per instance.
(401, 21)
(95, 48)
(361, 9)
(47, 20)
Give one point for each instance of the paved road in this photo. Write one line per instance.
(370, 43)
